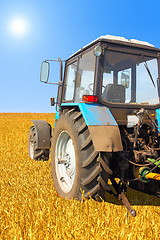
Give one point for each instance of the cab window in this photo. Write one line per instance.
(85, 76)
(70, 81)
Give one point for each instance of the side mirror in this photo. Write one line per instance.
(125, 76)
(44, 72)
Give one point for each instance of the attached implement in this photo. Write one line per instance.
(107, 122)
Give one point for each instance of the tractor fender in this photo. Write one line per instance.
(43, 134)
(106, 138)
(103, 128)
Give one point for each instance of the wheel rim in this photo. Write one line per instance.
(65, 164)
(31, 148)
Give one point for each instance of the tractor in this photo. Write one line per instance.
(107, 122)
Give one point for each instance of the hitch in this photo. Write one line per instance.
(121, 188)
(126, 203)
(122, 197)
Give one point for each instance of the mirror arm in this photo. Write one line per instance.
(61, 68)
(52, 83)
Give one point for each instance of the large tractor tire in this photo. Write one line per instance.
(76, 166)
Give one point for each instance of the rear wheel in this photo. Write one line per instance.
(75, 163)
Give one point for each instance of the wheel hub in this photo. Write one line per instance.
(65, 161)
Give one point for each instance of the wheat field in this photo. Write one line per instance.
(30, 208)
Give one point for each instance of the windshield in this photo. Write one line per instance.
(79, 79)
(130, 78)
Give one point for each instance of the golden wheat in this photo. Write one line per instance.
(30, 208)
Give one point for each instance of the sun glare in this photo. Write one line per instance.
(18, 27)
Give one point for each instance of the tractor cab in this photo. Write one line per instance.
(116, 70)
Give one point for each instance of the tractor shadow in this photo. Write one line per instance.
(135, 197)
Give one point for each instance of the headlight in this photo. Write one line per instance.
(97, 51)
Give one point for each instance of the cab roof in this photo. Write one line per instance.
(119, 40)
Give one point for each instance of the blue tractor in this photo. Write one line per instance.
(107, 121)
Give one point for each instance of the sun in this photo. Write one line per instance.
(18, 26)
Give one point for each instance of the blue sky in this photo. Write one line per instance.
(58, 29)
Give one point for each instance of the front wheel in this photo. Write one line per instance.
(76, 166)
(33, 152)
